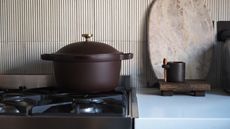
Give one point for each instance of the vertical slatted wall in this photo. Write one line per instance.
(31, 27)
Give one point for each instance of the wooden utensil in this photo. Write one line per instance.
(165, 70)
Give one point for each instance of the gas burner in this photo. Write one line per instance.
(54, 101)
(8, 109)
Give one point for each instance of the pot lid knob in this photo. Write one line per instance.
(87, 36)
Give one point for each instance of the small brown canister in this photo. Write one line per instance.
(175, 71)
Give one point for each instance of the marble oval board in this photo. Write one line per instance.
(181, 30)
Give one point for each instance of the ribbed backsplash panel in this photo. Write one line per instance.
(29, 28)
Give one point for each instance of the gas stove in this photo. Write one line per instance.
(55, 101)
(54, 107)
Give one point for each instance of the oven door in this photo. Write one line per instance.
(65, 122)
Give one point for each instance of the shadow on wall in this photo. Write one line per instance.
(214, 74)
(29, 68)
(148, 76)
(225, 65)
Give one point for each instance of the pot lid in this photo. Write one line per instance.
(87, 47)
(87, 51)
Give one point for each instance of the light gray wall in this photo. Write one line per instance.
(31, 27)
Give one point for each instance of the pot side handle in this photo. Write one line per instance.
(48, 56)
(126, 56)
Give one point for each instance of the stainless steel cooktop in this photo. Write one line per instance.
(25, 106)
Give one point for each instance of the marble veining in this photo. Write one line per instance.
(181, 30)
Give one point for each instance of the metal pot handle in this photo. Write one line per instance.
(126, 56)
(48, 56)
(87, 36)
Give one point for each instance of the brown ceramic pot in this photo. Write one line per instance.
(87, 66)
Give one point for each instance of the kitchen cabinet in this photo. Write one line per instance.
(182, 111)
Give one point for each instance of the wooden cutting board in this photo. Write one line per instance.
(181, 30)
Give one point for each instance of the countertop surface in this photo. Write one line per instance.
(215, 104)
(182, 111)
